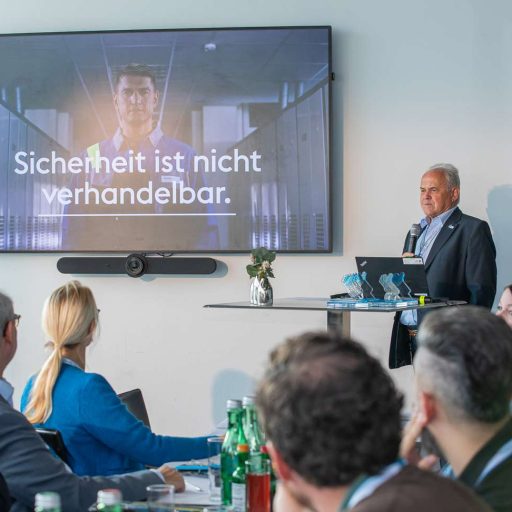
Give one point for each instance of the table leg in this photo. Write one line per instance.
(339, 321)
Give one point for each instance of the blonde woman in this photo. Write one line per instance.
(101, 436)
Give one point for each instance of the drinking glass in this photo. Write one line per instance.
(160, 498)
(214, 474)
(258, 484)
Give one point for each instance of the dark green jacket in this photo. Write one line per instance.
(496, 487)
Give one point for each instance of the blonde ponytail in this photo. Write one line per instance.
(67, 317)
(40, 405)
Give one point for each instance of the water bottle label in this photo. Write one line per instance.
(238, 497)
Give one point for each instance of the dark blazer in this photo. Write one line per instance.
(5, 498)
(460, 266)
(28, 468)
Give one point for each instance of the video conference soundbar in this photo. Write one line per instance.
(136, 265)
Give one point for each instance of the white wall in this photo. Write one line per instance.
(418, 81)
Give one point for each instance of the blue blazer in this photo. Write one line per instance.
(101, 435)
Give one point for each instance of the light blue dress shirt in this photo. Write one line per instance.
(423, 247)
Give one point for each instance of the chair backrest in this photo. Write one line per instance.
(53, 439)
(135, 403)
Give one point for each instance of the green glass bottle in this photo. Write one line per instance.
(238, 480)
(47, 502)
(109, 500)
(253, 433)
(228, 455)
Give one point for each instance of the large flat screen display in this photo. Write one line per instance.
(211, 140)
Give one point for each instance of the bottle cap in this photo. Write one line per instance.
(233, 404)
(47, 500)
(109, 496)
(243, 448)
(248, 400)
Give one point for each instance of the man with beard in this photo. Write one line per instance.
(464, 381)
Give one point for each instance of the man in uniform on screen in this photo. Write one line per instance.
(155, 160)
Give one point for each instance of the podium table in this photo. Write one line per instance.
(337, 319)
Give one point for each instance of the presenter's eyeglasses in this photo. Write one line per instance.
(16, 320)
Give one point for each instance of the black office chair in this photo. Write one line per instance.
(53, 439)
(135, 403)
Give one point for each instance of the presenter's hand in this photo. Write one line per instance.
(408, 450)
(172, 477)
(408, 255)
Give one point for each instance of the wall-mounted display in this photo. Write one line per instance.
(204, 140)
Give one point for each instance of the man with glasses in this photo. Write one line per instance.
(8, 346)
(27, 465)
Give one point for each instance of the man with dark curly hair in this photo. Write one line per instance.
(332, 417)
(464, 379)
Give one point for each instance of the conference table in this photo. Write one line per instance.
(195, 498)
(337, 319)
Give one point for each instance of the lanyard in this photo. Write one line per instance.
(366, 485)
(500, 456)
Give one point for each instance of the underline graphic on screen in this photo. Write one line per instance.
(137, 215)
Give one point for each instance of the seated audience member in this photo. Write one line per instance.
(505, 306)
(101, 436)
(332, 417)
(463, 370)
(27, 465)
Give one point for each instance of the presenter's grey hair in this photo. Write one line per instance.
(451, 173)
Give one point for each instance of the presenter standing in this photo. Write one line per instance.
(458, 253)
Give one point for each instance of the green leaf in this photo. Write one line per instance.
(252, 270)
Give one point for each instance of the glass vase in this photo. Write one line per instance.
(261, 292)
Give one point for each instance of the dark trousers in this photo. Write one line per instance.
(403, 344)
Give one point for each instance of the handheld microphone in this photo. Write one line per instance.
(414, 234)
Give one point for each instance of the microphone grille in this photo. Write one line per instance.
(415, 230)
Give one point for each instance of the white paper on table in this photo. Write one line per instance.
(192, 496)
